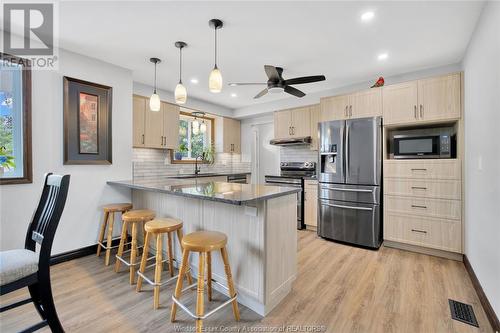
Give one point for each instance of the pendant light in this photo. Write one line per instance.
(180, 91)
(197, 127)
(154, 100)
(215, 78)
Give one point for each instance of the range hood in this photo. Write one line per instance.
(305, 140)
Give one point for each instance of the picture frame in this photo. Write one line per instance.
(87, 122)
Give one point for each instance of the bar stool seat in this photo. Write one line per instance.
(204, 242)
(156, 229)
(108, 224)
(133, 217)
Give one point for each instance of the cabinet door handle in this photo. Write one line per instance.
(421, 111)
(142, 138)
(418, 206)
(164, 140)
(415, 111)
(289, 130)
(418, 169)
(421, 231)
(346, 112)
(418, 188)
(350, 110)
(293, 130)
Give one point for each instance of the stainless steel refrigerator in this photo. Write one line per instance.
(350, 174)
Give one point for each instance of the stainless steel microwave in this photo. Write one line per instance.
(423, 143)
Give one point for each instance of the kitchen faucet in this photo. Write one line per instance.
(196, 169)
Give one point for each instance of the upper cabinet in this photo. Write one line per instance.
(365, 103)
(155, 129)
(427, 100)
(231, 135)
(315, 111)
(292, 123)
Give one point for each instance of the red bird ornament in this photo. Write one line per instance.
(379, 83)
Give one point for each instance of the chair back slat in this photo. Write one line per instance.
(46, 217)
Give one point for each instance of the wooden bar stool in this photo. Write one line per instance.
(158, 227)
(133, 217)
(204, 242)
(109, 221)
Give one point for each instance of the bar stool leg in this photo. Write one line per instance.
(101, 233)
(178, 286)
(123, 238)
(133, 253)
(110, 237)
(144, 261)
(158, 269)
(230, 283)
(188, 273)
(170, 254)
(199, 297)
(209, 275)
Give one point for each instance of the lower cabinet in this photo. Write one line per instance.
(311, 203)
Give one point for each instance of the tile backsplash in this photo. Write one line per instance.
(154, 163)
(298, 154)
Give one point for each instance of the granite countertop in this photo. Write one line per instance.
(231, 193)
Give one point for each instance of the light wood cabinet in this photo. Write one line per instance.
(334, 108)
(311, 203)
(439, 98)
(423, 169)
(138, 118)
(427, 100)
(171, 114)
(155, 129)
(292, 123)
(361, 104)
(231, 136)
(315, 111)
(441, 208)
(422, 188)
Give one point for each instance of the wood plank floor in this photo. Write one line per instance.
(338, 289)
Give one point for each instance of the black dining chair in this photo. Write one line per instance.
(25, 268)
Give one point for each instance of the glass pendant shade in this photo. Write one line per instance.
(196, 127)
(180, 94)
(203, 127)
(154, 102)
(215, 81)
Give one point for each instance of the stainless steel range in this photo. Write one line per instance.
(292, 175)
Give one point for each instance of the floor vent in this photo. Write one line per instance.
(463, 312)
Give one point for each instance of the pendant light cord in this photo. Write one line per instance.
(215, 47)
(155, 78)
(180, 66)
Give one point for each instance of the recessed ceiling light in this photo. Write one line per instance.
(382, 56)
(234, 95)
(194, 80)
(368, 16)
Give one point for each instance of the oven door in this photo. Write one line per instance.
(291, 182)
(416, 146)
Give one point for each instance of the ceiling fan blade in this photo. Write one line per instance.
(305, 79)
(272, 73)
(234, 84)
(293, 91)
(262, 93)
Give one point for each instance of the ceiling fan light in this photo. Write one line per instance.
(154, 102)
(215, 81)
(275, 90)
(180, 94)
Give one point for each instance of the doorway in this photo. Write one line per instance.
(265, 157)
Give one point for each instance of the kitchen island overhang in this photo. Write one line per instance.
(259, 221)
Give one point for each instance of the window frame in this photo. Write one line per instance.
(212, 138)
(27, 177)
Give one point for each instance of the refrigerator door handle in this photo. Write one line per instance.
(346, 147)
(346, 189)
(346, 207)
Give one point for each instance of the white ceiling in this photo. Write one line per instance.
(306, 38)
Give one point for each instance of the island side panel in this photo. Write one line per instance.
(245, 238)
(280, 248)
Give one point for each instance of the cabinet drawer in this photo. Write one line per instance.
(420, 169)
(439, 189)
(429, 232)
(441, 208)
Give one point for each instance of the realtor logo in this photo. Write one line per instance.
(29, 32)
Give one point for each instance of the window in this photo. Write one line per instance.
(193, 143)
(15, 120)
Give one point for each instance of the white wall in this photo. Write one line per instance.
(482, 152)
(192, 103)
(88, 190)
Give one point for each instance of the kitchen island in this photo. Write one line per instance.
(260, 223)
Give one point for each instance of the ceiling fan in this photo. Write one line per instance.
(276, 83)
